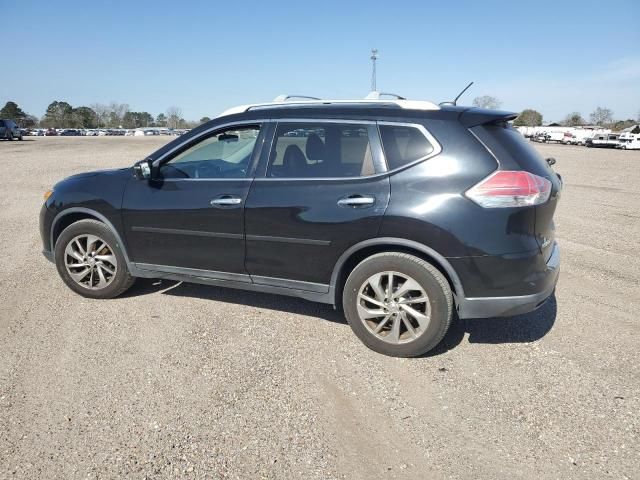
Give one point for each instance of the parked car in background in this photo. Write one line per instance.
(70, 132)
(404, 213)
(555, 136)
(9, 130)
(541, 137)
(609, 140)
(51, 132)
(629, 141)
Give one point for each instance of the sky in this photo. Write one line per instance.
(205, 56)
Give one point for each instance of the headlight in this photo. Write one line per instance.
(47, 194)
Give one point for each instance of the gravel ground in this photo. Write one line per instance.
(177, 380)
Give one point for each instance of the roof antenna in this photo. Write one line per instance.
(455, 100)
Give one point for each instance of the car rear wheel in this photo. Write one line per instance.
(398, 304)
(90, 260)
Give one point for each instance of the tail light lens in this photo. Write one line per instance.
(505, 188)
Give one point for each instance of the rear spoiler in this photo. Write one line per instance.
(479, 116)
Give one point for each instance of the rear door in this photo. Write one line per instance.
(320, 189)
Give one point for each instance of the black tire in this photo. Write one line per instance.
(20, 137)
(10, 136)
(428, 277)
(122, 280)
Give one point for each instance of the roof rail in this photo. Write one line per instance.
(400, 103)
(284, 98)
(376, 95)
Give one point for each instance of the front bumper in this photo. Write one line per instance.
(487, 307)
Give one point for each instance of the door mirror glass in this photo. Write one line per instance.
(143, 169)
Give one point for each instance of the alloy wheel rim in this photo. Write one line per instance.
(394, 307)
(90, 262)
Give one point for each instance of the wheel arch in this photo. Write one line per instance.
(72, 215)
(358, 252)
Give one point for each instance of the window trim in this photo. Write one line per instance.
(377, 149)
(437, 148)
(188, 143)
(379, 162)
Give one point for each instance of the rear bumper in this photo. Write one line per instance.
(487, 307)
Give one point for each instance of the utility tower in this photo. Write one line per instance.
(374, 57)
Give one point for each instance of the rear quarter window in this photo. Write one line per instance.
(403, 145)
(511, 150)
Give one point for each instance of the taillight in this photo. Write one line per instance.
(505, 188)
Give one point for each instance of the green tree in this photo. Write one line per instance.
(137, 119)
(161, 120)
(574, 119)
(204, 120)
(85, 117)
(528, 118)
(58, 115)
(30, 121)
(12, 111)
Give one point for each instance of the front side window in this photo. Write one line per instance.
(403, 145)
(317, 150)
(225, 154)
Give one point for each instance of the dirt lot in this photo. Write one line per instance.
(177, 380)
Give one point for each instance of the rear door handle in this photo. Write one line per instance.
(357, 201)
(226, 201)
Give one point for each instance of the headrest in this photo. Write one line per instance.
(315, 147)
(293, 154)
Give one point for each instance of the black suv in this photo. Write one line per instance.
(9, 130)
(401, 212)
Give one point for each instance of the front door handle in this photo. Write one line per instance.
(226, 201)
(357, 201)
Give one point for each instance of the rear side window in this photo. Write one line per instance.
(321, 150)
(403, 145)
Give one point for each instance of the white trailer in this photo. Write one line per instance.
(629, 141)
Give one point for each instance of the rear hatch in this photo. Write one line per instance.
(513, 152)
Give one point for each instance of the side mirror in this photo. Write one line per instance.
(551, 161)
(143, 170)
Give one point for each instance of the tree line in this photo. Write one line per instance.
(118, 115)
(532, 118)
(61, 114)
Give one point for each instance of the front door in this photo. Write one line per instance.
(191, 216)
(320, 192)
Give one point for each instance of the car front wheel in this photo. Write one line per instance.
(398, 304)
(90, 261)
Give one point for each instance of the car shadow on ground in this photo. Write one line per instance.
(518, 329)
(241, 297)
(525, 328)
